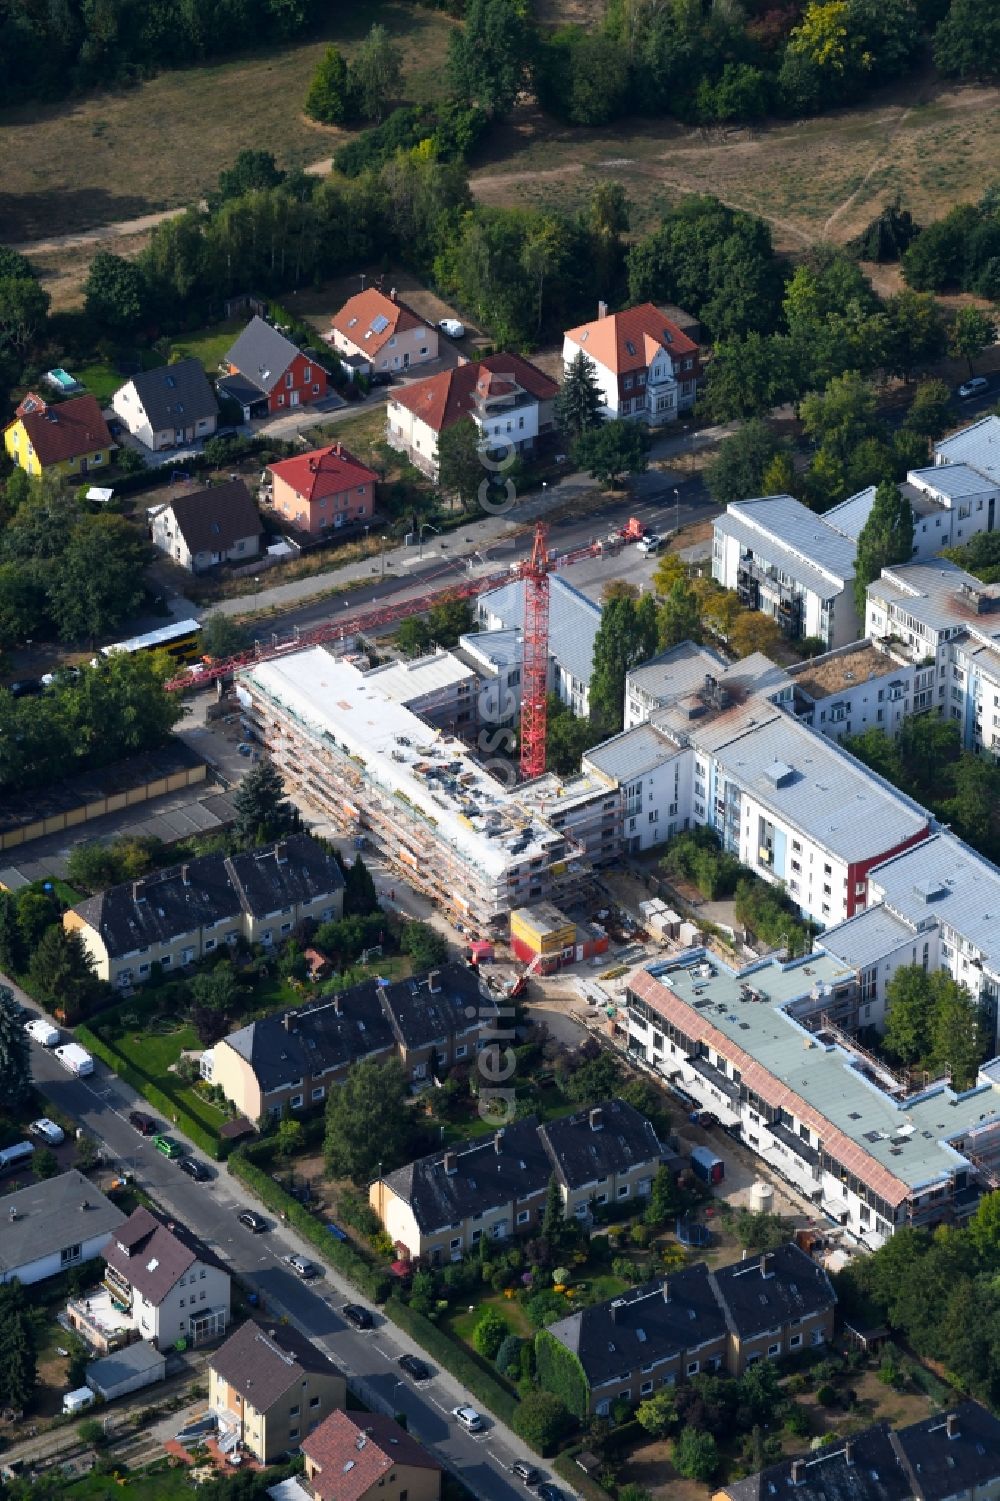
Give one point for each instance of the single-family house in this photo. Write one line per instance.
(290, 1060)
(64, 437)
(509, 399)
(691, 1322)
(168, 407)
(268, 1388)
(54, 1225)
(442, 1205)
(323, 490)
(646, 367)
(268, 374)
(176, 916)
(171, 1285)
(202, 528)
(374, 332)
(367, 1456)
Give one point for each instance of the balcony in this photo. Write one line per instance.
(117, 1285)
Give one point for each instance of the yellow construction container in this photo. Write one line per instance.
(541, 930)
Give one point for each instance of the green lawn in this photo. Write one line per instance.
(164, 1484)
(460, 1323)
(154, 1051)
(550, 1105)
(210, 344)
(102, 379)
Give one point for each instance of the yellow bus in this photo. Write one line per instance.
(180, 640)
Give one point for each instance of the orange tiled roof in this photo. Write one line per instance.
(630, 340)
(360, 313)
(442, 399)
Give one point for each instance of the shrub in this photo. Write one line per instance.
(826, 1395)
(489, 1334)
(508, 1355)
(696, 1456)
(542, 1420)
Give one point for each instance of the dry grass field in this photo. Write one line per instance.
(813, 179)
(109, 157)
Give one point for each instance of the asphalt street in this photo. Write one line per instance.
(101, 1104)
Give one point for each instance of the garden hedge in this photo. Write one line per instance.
(454, 1359)
(175, 1111)
(566, 1467)
(371, 1280)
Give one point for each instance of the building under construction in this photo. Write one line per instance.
(375, 767)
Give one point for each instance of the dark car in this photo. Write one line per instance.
(549, 1492)
(357, 1317)
(24, 687)
(194, 1169)
(526, 1472)
(415, 1367)
(380, 378)
(253, 1221)
(144, 1124)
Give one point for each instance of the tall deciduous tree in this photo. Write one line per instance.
(625, 637)
(578, 405)
(115, 290)
(460, 462)
(737, 471)
(679, 616)
(488, 58)
(377, 71)
(367, 1123)
(971, 333)
(885, 538)
(611, 451)
(15, 1056)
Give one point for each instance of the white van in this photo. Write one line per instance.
(42, 1032)
(76, 1401)
(76, 1059)
(48, 1131)
(16, 1156)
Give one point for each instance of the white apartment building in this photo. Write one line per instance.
(173, 1287)
(864, 686)
(574, 621)
(948, 623)
(784, 560)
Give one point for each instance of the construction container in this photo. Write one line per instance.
(705, 1164)
(545, 934)
(76, 1401)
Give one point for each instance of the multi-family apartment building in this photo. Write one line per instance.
(693, 1322)
(574, 621)
(375, 767)
(441, 1206)
(791, 805)
(179, 915)
(947, 1456)
(269, 1389)
(171, 1284)
(769, 1051)
(367, 1456)
(292, 1059)
(867, 685)
(947, 623)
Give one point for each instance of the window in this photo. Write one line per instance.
(313, 1402)
(523, 1216)
(818, 1337)
(318, 1092)
(461, 1050)
(293, 1412)
(293, 1433)
(692, 1368)
(456, 1242)
(296, 1102)
(623, 1191)
(794, 1341)
(68, 1255)
(645, 1388)
(203, 1274)
(774, 1349)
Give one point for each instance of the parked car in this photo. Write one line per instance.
(307, 1270)
(452, 328)
(144, 1124)
(549, 1492)
(526, 1472)
(468, 1417)
(414, 1367)
(650, 543)
(50, 1133)
(357, 1317)
(42, 1032)
(253, 1221)
(974, 387)
(168, 1146)
(380, 378)
(194, 1169)
(25, 687)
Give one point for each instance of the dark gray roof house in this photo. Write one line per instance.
(184, 898)
(610, 1139)
(262, 1365)
(175, 395)
(203, 527)
(444, 1003)
(948, 1455)
(474, 1178)
(324, 1037)
(54, 1224)
(656, 1322)
(151, 1253)
(761, 1292)
(262, 355)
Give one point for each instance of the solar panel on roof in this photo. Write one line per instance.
(379, 324)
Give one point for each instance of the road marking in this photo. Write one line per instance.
(381, 1351)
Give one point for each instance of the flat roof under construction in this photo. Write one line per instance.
(400, 753)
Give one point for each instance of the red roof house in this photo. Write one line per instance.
(354, 1456)
(646, 365)
(322, 490)
(374, 331)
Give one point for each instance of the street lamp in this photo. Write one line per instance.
(425, 526)
(677, 510)
(381, 553)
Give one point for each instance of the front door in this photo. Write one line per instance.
(406, 361)
(993, 506)
(83, 466)
(293, 399)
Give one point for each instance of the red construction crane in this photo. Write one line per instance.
(535, 664)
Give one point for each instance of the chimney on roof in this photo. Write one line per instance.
(767, 1264)
(616, 1303)
(392, 294)
(451, 1163)
(312, 466)
(602, 309)
(951, 1425)
(596, 1118)
(137, 893)
(798, 1471)
(434, 981)
(849, 1452)
(337, 448)
(498, 1141)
